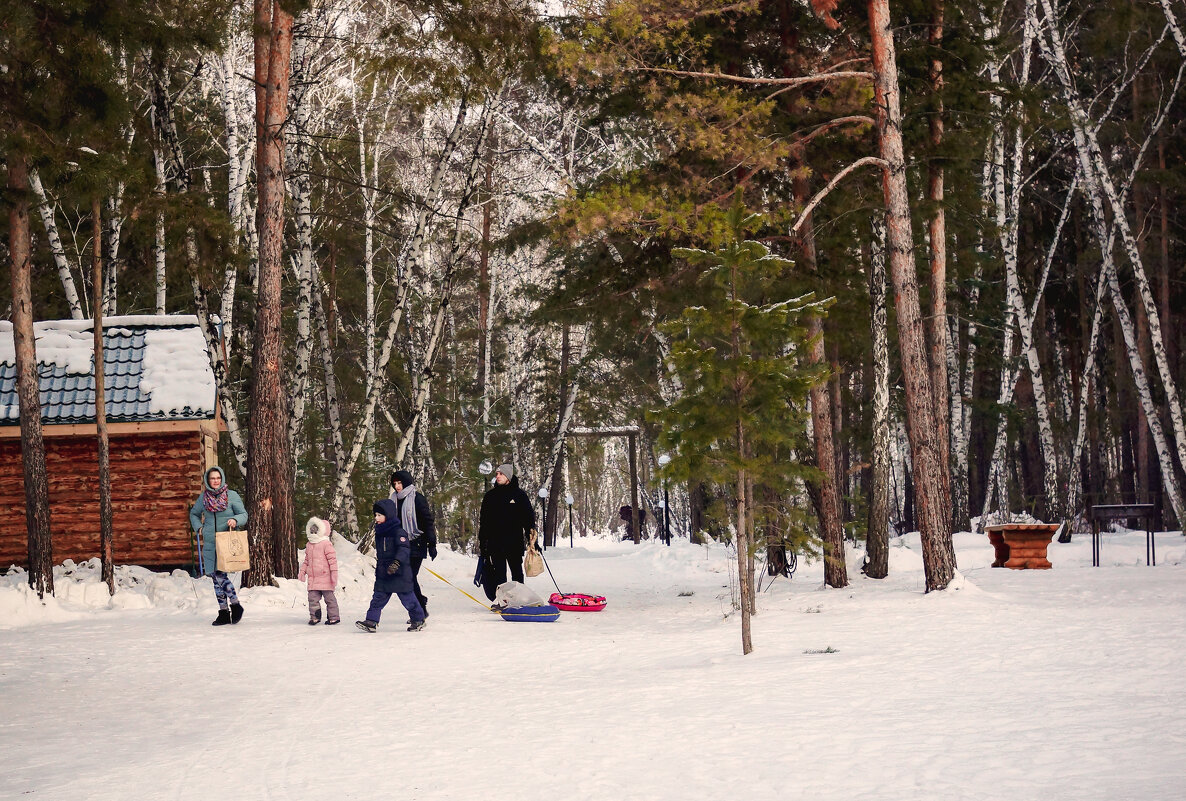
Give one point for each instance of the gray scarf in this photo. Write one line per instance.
(407, 512)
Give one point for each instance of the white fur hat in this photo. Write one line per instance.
(317, 529)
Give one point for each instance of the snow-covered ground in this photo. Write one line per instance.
(1048, 685)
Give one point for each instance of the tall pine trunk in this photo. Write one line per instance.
(37, 515)
(831, 531)
(105, 559)
(743, 543)
(930, 473)
(938, 255)
(269, 464)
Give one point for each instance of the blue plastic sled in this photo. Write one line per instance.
(531, 614)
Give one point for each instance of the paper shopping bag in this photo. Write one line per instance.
(232, 550)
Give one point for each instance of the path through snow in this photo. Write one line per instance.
(1045, 685)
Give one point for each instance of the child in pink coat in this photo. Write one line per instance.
(320, 568)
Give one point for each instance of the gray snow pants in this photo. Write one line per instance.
(331, 605)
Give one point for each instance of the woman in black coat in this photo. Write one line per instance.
(504, 527)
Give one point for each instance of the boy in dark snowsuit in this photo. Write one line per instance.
(393, 569)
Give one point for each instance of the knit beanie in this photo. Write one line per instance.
(507, 470)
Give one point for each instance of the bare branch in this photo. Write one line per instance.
(820, 195)
(804, 80)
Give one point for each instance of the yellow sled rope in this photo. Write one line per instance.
(463, 592)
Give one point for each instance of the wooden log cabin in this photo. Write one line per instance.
(163, 428)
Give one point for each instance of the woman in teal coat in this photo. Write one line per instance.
(218, 508)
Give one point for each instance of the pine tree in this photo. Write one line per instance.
(741, 361)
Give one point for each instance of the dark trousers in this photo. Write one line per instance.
(416, 562)
(494, 572)
(407, 598)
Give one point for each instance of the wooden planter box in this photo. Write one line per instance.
(1021, 546)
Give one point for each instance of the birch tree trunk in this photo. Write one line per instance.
(163, 122)
(302, 196)
(930, 473)
(37, 513)
(570, 390)
(333, 409)
(110, 241)
(556, 464)
(240, 150)
(376, 382)
(54, 240)
(438, 327)
(158, 244)
(485, 291)
(1098, 186)
(877, 535)
(1005, 190)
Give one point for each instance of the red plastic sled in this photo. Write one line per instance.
(577, 602)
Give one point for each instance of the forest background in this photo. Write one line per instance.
(466, 231)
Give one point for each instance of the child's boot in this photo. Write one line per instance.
(224, 617)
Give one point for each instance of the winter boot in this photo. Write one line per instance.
(368, 626)
(417, 626)
(236, 613)
(224, 617)
(315, 619)
(332, 622)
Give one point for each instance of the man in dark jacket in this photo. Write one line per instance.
(416, 518)
(393, 569)
(506, 522)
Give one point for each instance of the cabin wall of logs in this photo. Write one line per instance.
(155, 477)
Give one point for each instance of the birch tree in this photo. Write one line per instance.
(877, 535)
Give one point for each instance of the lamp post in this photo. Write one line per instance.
(485, 468)
(568, 499)
(664, 460)
(543, 505)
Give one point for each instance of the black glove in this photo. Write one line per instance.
(432, 552)
(393, 568)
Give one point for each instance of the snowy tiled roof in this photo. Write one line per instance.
(154, 368)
